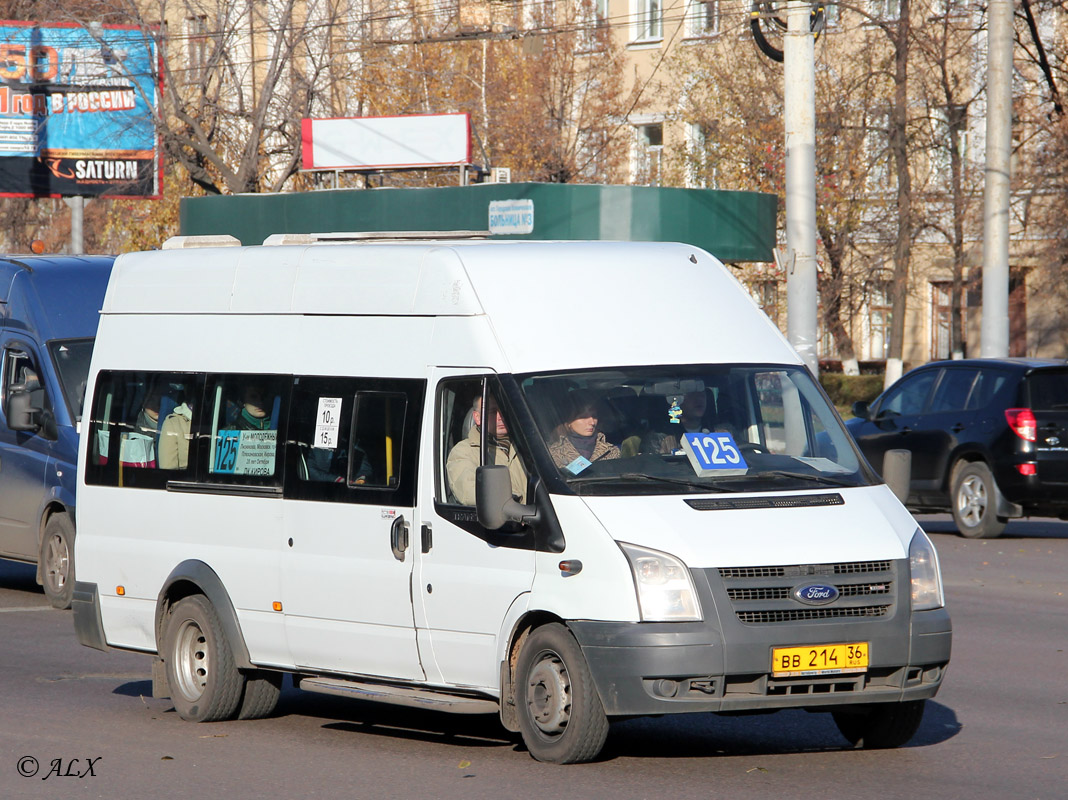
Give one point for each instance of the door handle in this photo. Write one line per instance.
(427, 536)
(957, 428)
(906, 429)
(398, 537)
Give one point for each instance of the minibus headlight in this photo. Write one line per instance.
(665, 588)
(926, 576)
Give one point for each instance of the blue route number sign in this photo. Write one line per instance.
(714, 454)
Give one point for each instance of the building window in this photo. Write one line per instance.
(702, 18)
(649, 20)
(593, 20)
(941, 293)
(885, 9)
(649, 148)
(699, 173)
(878, 320)
(196, 29)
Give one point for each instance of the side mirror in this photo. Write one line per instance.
(860, 410)
(494, 503)
(21, 415)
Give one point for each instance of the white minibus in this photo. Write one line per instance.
(561, 482)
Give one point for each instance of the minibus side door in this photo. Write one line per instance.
(466, 577)
(347, 557)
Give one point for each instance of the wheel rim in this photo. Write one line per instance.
(57, 562)
(971, 501)
(549, 695)
(192, 664)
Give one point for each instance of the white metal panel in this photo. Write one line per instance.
(265, 279)
(358, 279)
(135, 537)
(604, 589)
(173, 280)
(866, 527)
(591, 304)
(463, 586)
(347, 599)
(444, 287)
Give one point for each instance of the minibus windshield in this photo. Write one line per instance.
(692, 428)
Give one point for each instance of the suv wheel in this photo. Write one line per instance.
(975, 501)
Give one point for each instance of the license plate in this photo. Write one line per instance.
(821, 659)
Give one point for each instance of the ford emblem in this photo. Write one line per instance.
(816, 594)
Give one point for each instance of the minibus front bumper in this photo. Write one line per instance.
(725, 664)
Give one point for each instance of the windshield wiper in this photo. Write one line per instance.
(804, 476)
(644, 476)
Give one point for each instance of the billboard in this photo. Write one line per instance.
(76, 111)
(368, 143)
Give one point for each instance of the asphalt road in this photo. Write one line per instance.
(84, 724)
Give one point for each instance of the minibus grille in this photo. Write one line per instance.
(764, 595)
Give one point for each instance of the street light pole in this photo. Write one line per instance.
(995, 327)
(799, 94)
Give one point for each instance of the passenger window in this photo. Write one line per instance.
(986, 388)
(460, 419)
(909, 397)
(354, 440)
(246, 413)
(140, 428)
(953, 390)
(458, 404)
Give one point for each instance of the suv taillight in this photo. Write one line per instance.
(1023, 423)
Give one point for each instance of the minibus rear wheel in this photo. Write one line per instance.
(205, 684)
(560, 713)
(880, 726)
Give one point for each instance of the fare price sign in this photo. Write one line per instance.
(712, 454)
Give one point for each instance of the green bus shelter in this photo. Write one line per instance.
(733, 226)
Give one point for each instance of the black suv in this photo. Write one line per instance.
(989, 438)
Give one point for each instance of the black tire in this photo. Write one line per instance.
(262, 690)
(560, 713)
(880, 726)
(205, 684)
(974, 501)
(57, 560)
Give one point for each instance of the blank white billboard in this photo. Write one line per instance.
(420, 140)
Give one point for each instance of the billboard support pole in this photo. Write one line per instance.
(77, 220)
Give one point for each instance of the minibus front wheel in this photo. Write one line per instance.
(205, 684)
(560, 713)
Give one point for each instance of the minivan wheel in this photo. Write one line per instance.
(57, 560)
(975, 502)
(880, 726)
(205, 684)
(560, 713)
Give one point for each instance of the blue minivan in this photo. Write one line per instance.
(49, 309)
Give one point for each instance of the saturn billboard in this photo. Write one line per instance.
(77, 108)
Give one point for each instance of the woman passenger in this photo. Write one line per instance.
(578, 441)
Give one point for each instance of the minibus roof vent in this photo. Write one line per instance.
(207, 240)
(348, 237)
